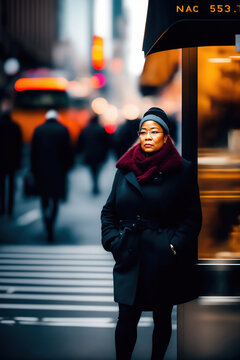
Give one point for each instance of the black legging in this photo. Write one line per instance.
(126, 331)
(49, 209)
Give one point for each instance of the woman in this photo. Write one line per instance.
(150, 223)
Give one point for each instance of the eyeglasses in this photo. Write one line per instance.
(152, 133)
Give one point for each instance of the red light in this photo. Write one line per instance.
(98, 80)
(41, 84)
(110, 128)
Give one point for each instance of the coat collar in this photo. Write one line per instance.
(131, 178)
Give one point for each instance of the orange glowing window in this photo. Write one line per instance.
(41, 84)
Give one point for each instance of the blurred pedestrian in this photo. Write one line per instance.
(150, 223)
(125, 136)
(51, 159)
(10, 156)
(93, 145)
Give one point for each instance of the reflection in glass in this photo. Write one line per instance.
(219, 151)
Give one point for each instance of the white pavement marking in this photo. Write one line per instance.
(57, 275)
(56, 289)
(105, 256)
(105, 262)
(94, 322)
(59, 249)
(88, 298)
(28, 217)
(100, 308)
(58, 282)
(67, 268)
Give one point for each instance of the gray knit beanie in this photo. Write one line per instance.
(159, 116)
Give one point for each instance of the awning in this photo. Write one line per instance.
(173, 24)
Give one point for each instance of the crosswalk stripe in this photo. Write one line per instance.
(67, 268)
(48, 297)
(55, 256)
(56, 289)
(94, 322)
(60, 249)
(58, 262)
(57, 275)
(68, 282)
(99, 308)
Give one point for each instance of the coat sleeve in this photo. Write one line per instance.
(190, 222)
(67, 151)
(108, 217)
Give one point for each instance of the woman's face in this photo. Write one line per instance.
(151, 136)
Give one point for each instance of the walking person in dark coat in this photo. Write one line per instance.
(93, 144)
(125, 136)
(10, 157)
(51, 159)
(150, 223)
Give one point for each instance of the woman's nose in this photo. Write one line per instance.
(148, 136)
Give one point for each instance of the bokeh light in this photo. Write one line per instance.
(99, 105)
(131, 111)
(110, 128)
(81, 88)
(110, 114)
(11, 66)
(98, 80)
(116, 65)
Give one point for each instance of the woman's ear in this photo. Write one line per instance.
(165, 139)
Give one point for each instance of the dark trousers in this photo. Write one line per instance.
(7, 190)
(49, 207)
(126, 331)
(95, 171)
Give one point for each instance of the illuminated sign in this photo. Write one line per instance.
(98, 61)
(42, 83)
(211, 9)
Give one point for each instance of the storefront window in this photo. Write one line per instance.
(219, 151)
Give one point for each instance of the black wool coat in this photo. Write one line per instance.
(51, 158)
(97, 153)
(10, 145)
(139, 222)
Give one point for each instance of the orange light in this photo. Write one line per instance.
(59, 83)
(98, 61)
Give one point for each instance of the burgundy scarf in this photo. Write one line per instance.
(167, 160)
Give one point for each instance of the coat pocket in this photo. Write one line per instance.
(125, 248)
(117, 244)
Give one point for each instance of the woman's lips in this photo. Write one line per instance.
(148, 145)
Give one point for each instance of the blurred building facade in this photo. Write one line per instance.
(28, 29)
